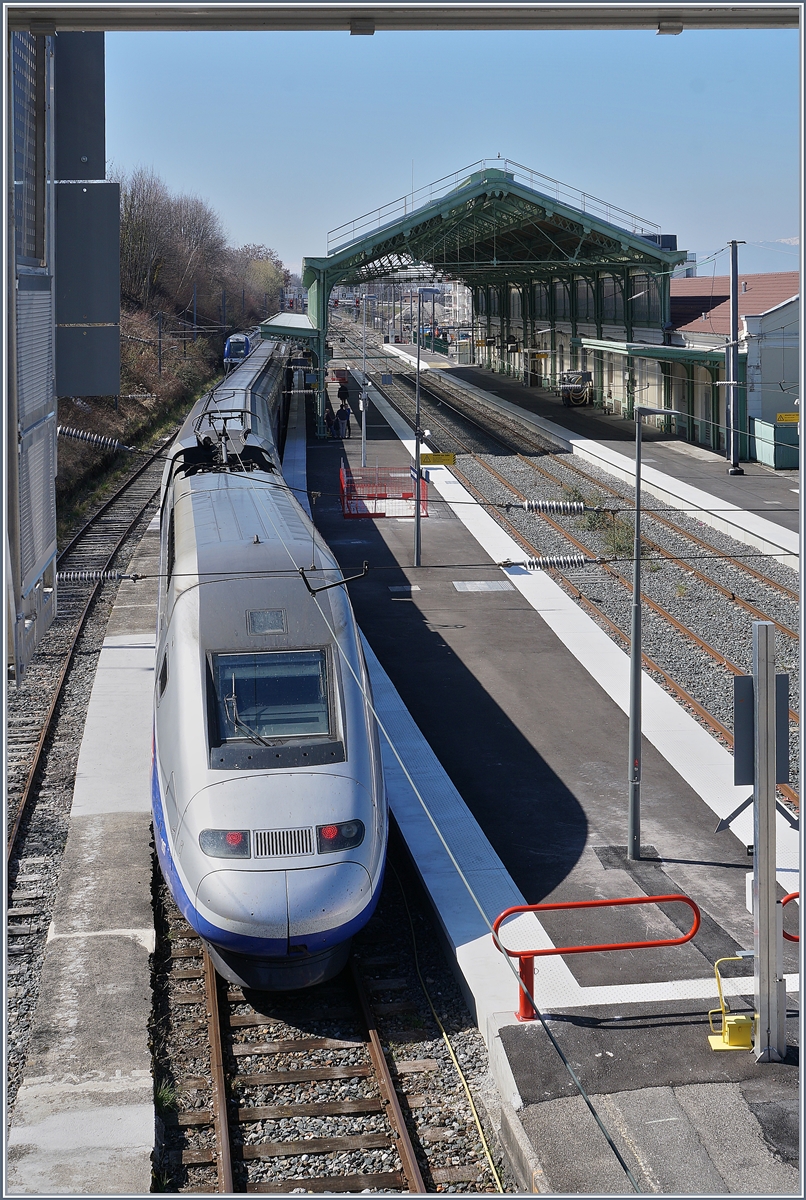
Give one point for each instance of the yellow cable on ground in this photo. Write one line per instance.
(446, 1039)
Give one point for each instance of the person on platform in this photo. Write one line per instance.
(343, 392)
(343, 418)
(330, 421)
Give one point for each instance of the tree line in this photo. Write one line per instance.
(172, 245)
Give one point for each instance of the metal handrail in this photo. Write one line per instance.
(563, 193)
(526, 958)
(791, 937)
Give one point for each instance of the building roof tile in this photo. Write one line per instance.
(710, 295)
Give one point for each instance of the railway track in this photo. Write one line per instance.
(433, 400)
(46, 716)
(316, 1091)
(94, 548)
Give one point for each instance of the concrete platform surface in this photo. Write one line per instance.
(514, 750)
(83, 1122)
(759, 508)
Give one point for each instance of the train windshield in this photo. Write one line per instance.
(271, 695)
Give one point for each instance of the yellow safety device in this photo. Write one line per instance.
(737, 1028)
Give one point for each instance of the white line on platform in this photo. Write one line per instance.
(747, 527)
(705, 765)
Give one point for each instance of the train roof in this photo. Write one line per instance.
(219, 514)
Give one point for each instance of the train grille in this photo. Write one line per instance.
(282, 843)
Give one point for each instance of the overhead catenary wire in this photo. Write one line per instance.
(466, 883)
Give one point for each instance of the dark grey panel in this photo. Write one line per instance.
(33, 283)
(87, 253)
(78, 103)
(88, 361)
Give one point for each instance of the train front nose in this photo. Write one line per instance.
(273, 930)
(324, 904)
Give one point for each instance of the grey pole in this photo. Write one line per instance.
(364, 338)
(362, 399)
(634, 768)
(194, 312)
(634, 773)
(732, 368)
(417, 438)
(770, 987)
(433, 302)
(159, 343)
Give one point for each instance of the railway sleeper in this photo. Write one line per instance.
(336, 1183)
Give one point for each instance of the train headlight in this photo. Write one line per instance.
(225, 843)
(344, 836)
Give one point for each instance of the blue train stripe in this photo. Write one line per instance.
(224, 938)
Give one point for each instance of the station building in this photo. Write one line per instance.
(551, 279)
(638, 353)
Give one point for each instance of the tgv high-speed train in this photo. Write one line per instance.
(268, 796)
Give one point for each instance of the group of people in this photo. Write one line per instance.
(338, 423)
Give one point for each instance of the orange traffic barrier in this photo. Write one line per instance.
(791, 937)
(526, 964)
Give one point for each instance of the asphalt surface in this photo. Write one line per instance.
(537, 751)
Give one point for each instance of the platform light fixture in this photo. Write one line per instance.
(634, 768)
(418, 432)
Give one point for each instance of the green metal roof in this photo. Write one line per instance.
(495, 223)
(683, 354)
(288, 326)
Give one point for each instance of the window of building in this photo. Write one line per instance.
(540, 300)
(515, 304)
(612, 300)
(585, 301)
(562, 307)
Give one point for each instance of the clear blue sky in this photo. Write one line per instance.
(289, 134)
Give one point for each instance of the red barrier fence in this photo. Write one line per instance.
(526, 965)
(791, 937)
(380, 492)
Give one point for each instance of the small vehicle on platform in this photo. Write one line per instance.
(576, 388)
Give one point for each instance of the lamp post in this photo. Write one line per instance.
(732, 368)
(634, 769)
(363, 395)
(418, 433)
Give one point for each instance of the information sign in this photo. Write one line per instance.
(438, 460)
(787, 418)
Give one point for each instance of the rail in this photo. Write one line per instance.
(229, 1142)
(791, 937)
(526, 1010)
(69, 656)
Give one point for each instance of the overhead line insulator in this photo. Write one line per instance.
(92, 576)
(95, 439)
(561, 508)
(552, 562)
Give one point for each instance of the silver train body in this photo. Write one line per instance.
(269, 804)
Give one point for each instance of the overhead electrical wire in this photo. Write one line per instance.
(476, 902)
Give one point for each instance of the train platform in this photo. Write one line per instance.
(83, 1122)
(759, 508)
(506, 708)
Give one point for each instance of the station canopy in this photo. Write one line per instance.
(490, 223)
